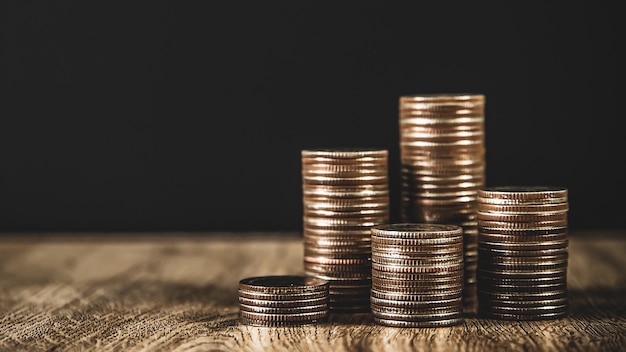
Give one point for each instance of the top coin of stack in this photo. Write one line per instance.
(283, 300)
(522, 252)
(443, 167)
(345, 193)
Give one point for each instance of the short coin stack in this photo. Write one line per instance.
(442, 153)
(283, 300)
(522, 252)
(345, 193)
(417, 275)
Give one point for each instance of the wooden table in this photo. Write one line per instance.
(178, 292)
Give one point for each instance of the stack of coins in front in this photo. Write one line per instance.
(345, 193)
(283, 300)
(417, 275)
(443, 166)
(522, 252)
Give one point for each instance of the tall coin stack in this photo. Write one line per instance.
(283, 300)
(522, 252)
(442, 154)
(417, 275)
(345, 193)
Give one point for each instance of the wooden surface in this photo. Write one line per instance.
(178, 292)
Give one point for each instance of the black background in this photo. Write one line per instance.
(190, 116)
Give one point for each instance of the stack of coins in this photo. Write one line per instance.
(283, 300)
(417, 275)
(345, 193)
(522, 252)
(443, 167)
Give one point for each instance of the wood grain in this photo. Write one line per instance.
(178, 292)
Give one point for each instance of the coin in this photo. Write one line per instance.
(284, 303)
(418, 324)
(523, 192)
(283, 284)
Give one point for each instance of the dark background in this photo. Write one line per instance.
(190, 116)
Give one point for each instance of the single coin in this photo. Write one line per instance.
(283, 284)
(540, 310)
(521, 284)
(419, 317)
(531, 225)
(305, 316)
(284, 303)
(411, 287)
(416, 242)
(339, 275)
(524, 209)
(418, 262)
(418, 231)
(488, 252)
(523, 192)
(523, 246)
(526, 297)
(453, 266)
(448, 275)
(282, 296)
(281, 323)
(337, 261)
(523, 317)
(420, 311)
(283, 310)
(522, 238)
(345, 152)
(512, 288)
(524, 218)
(521, 274)
(418, 324)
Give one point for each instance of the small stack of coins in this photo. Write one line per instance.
(283, 300)
(443, 166)
(345, 193)
(522, 252)
(417, 275)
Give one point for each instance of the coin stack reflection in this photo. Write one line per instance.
(443, 166)
(283, 300)
(345, 193)
(417, 275)
(522, 252)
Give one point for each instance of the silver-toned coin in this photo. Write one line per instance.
(435, 298)
(450, 267)
(417, 231)
(283, 284)
(525, 317)
(489, 252)
(418, 324)
(338, 261)
(413, 311)
(282, 296)
(522, 217)
(415, 242)
(549, 208)
(413, 288)
(418, 317)
(284, 310)
(281, 323)
(284, 303)
(295, 317)
(524, 192)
